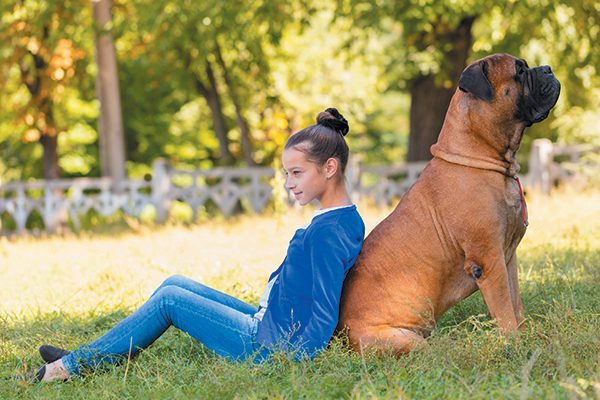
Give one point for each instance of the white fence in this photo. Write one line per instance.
(550, 164)
(58, 200)
(226, 189)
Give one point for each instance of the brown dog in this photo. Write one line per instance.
(457, 229)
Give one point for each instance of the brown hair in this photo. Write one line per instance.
(323, 140)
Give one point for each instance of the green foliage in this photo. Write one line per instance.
(45, 49)
(276, 63)
(418, 35)
(560, 34)
(312, 72)
(188, 37)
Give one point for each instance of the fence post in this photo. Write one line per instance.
(21, 209)
(540, 165)
(49, 209)
(161, 184)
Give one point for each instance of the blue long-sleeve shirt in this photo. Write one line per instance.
(303, 306)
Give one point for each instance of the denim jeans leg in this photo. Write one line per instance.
(210, 293)
(225, 330)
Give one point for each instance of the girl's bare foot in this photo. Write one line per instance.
(55, 370)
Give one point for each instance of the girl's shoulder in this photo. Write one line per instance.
(346, 219)
(336, 214)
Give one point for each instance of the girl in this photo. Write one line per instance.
(298, 311)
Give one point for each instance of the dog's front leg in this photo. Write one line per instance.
(513, 276)
(491, 276)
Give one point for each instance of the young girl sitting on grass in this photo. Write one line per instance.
(299, 310)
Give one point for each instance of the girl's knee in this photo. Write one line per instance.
(168, 294)
(174, 280)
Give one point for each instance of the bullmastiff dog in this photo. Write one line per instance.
(457, 229)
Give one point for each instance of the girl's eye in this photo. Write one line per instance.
(296, 172)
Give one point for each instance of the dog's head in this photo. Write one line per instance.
(507, 83)
(497, 98)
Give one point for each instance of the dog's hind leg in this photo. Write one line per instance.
(388, 339)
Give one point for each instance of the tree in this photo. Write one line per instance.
(429, 98)
(42, 44)
(241, 121)
(432, 41)
(313, 70)
(561, 34)
(112, 146)
(220, 46)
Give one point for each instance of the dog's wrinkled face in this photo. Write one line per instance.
(505, 81)
(540, 92)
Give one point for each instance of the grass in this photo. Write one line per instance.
(68, 290)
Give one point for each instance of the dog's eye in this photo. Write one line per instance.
(520, 76)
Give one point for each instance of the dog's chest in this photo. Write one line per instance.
(516, 205)
(516, 214)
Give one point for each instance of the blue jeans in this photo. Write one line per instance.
(221, 322)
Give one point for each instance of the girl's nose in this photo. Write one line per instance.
(288, 184)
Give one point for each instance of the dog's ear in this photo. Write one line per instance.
(474, 80)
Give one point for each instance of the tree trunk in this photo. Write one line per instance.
(50, 145)
(49, 134)
(242, 124)
(429, 102)
(110, 126)
(213, 99)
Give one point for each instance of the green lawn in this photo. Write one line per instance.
(68, 290)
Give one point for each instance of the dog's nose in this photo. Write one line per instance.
(546, 70)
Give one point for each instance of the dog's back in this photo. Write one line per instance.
(411, 267)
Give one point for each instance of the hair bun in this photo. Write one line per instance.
(332, 119)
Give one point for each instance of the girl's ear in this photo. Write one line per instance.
(331, 167)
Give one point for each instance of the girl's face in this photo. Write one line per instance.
(304, 178)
